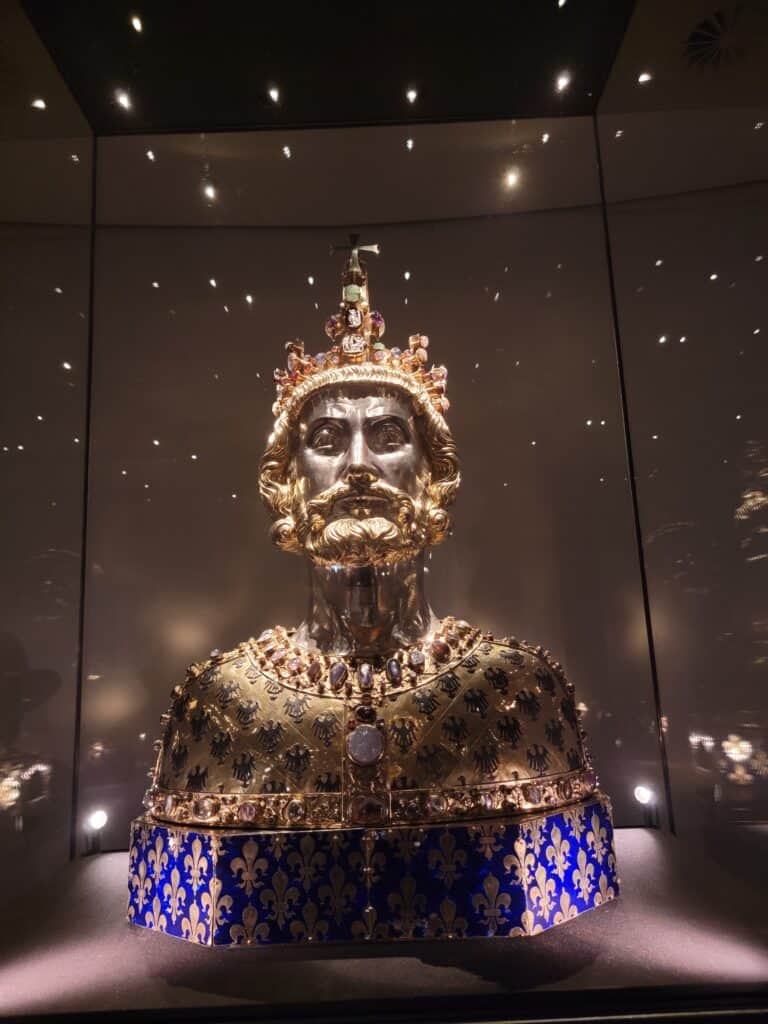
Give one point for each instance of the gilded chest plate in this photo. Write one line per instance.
(272, 734)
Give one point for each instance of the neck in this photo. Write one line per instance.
(369, 611)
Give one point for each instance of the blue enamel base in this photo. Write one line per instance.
(491, 878)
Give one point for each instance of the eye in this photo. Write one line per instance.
(326, 438)
(387, 435)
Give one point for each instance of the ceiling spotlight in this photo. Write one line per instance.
(644, 795)
(151, 156)
(618, 133)
(407, 275)
(66, 366)
(287, 152)
(411, 95)
(562, 81)
(136, 23)
(409, 144)
(249, 299)
(156, 443)
(545, 138)
(713, 277)
(758, 125)
(561, 3)
(209, 190)
(662, 339)
(310, 280)
(274, 94)
(39, 104)
(512, 178)
(658, 263)
(155, 284)
(212, 282)
(74, 158)
(643, 77)
(97, 820)
(123, 99)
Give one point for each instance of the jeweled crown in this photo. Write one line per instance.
(356, 332)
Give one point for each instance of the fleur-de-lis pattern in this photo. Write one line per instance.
(514, 877)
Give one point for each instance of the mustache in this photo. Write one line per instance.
(319, 507)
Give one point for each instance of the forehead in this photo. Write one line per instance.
(357, 401)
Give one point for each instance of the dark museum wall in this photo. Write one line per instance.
(45, 204)
(211, 250)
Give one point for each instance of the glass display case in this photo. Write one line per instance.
(592, 279)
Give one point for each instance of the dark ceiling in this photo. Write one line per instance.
(202, 66)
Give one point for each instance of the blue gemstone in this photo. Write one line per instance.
(394, 671)
(338, 674)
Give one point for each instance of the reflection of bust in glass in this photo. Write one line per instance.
(374, 710)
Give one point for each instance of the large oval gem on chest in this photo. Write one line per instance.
(365, 744)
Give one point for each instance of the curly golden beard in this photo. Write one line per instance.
(398, 530)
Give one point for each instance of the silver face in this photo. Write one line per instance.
(360, 439)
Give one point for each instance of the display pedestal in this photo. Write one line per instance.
(492, 878)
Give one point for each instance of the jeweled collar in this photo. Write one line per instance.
(280, 659)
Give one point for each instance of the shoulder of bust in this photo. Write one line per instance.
(519, 654)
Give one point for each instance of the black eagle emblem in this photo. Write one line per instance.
(574, 761)
(538, 758)
(296, 705)
(197, 780)
(509, 730)
(178, 756)
(228, 694)
(568, 708)
(246, 712)
(268, 736)
(296, 760)
(486, 758)
(242, 768)
(528, 703)
(221, 745)
(545, 679)
(198, 722)
(426, 701)
(470, 663)
(328, 782)
(554, 733)
(514, 658)
(325, 727)
(449, 683)
(498, 678)
(476, 702)
(403, 732)
(455, 730)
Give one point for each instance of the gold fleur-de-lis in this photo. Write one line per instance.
(605, 891)
(487, 835)
(214, 904)
(141, 885)
(278, 844)
(542, 894)
(490, 902)
(338, 894)
(557, 852)
(281, 898)
(446, 924)
(251, 928)
(175, 895)
(133, 856)
(307, 861)
(583, 875)
(597, 838)
(155, 918)
(144, 833)
(447, 860)
(196, 865)
(368, 927)
(157, 859)
(520, 864)
(574, 818)
(528, 926)
(250, 867)
(369, 861)
(407, 841)
(192, 927)
(567, 909)
(311, 928)
(410, 904)
(536, 829)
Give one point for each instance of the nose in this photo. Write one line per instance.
(360, 470)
